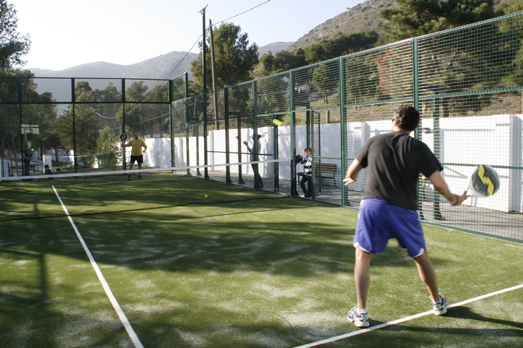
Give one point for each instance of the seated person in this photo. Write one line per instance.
(47, 170)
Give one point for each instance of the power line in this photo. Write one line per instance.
(189, 51)
(239, 14)
(186, 54)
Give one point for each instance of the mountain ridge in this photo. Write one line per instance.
(169, 65)
(362, 17)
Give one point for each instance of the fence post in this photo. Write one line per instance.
(294, 192)
(227, 147)
(123, 123)
(343, 134)
(186, 95)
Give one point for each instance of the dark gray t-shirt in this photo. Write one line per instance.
(395, 160)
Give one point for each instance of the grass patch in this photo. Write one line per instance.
(267, 273)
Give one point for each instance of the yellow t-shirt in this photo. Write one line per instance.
(137, 145)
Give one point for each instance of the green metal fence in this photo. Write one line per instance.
(467, 83)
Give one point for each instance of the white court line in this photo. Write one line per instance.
(395, 322)
(116, 306)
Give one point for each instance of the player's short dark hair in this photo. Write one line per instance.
(308, 149)
(407, 117)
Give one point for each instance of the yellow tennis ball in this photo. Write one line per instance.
(206, 196)
(277, 122)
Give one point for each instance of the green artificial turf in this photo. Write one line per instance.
(258, 273)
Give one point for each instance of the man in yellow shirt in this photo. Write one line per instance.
(136, 153)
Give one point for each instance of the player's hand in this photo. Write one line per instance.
(458, 200)
(348, 180)
(244, 143)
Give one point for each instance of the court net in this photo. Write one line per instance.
(126, 190)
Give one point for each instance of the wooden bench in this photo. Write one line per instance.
(327, 171)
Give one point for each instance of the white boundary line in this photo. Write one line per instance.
(419, 315)
(109, 293)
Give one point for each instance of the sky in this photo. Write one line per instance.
(67, 33)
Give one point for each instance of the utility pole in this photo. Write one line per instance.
(213, 65)
(203, 51)
(204, 101)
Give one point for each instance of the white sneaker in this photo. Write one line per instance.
(440, 307)
(360, 320)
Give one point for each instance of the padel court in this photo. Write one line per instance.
(195, 255)
(265, 270)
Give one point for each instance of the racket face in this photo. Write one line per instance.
(484, 181)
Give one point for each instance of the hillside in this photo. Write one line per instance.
(365, 16)
(273, 47)
(160, 67)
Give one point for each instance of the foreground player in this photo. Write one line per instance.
(388, 208)
(136, 153)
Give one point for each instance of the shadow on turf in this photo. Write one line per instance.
(464, 313)
(181, 242)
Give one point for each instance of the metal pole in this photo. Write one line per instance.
(214, 88)
(343, 129)
(437, 149)
(73, 92)
(186, 94)
(255, 146)
(124, 160)
(204, 96)
(417, 134)
(19, 83)
(294, 191)
(171, 123)
(227, 149)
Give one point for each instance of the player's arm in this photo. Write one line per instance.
(352, 172)
(441, 186)
(144, 146)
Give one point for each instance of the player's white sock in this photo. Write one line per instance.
(362, 311)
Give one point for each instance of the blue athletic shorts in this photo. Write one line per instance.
(378, 222)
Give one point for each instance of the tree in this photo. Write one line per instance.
(340, 46)
(411, 18)
(12, 45)
(42, 115)
(515, 78)
(234, 58)
(321, 80)
(136, 92)
(82, 127)
(453, 62)
(108, 148)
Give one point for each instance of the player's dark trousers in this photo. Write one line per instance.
(304, 183)
(257, 178)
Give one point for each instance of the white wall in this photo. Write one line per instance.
(493, 140)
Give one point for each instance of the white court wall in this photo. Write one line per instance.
(494, 140)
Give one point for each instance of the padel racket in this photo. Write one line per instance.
(483, 182)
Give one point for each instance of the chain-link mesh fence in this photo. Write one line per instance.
(466, 82)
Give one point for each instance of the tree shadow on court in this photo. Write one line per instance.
(30, 316)
(480, 331)
(267, 275)
(467, 313)
(278, 236)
